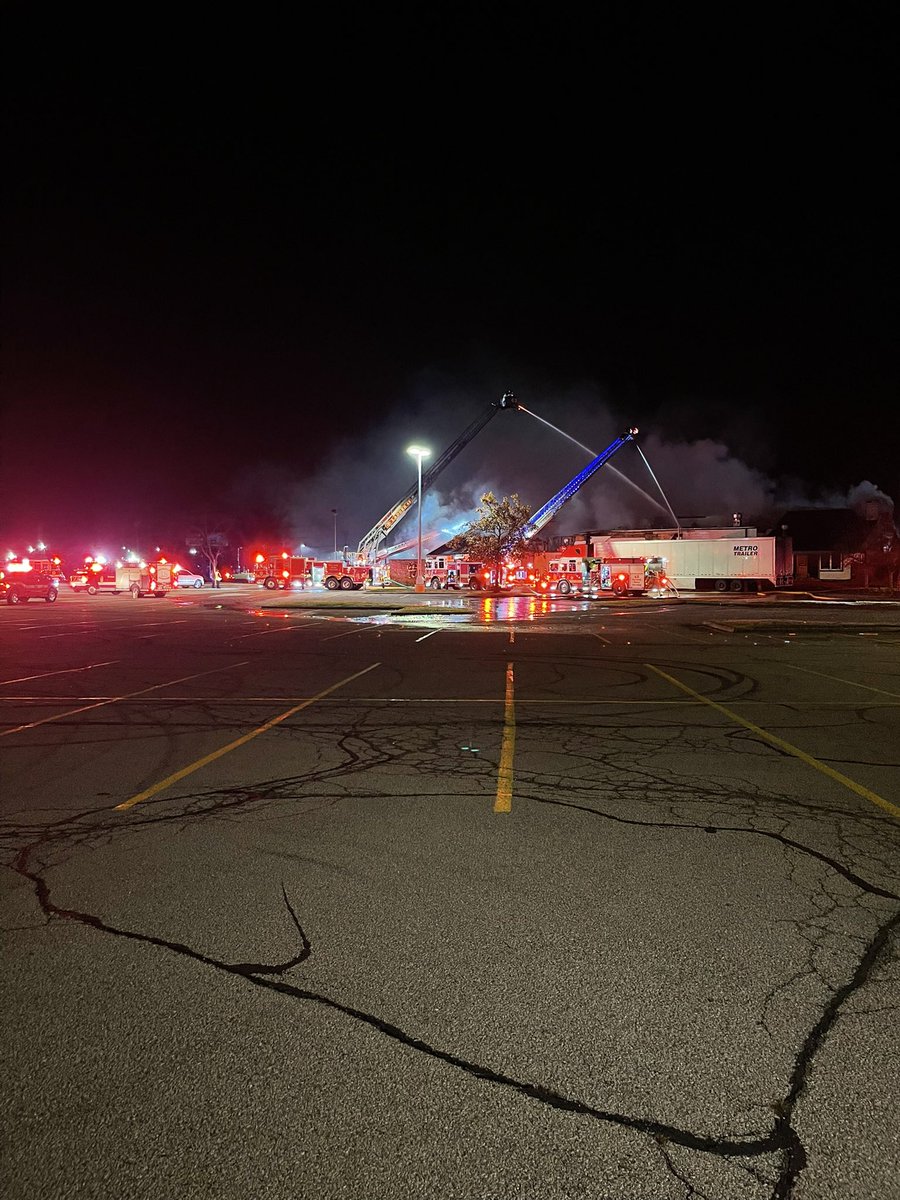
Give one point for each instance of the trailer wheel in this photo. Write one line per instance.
(737, 585)
(331, 583)
(270, 583)
(135, 592)
(721, 585)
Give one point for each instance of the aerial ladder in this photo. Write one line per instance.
(543, 515)
(368, 546)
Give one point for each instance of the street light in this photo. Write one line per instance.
(334, 514)
(418, 453)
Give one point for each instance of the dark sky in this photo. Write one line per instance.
(245, 265)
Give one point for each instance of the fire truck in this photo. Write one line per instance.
(97, 575)
(441, 571)
(51, 566)
(565, 571)
(144, 579)
(368, 547)
(294, 571)
(568, 572)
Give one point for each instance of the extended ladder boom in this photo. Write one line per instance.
(369, 544)
(537, 522)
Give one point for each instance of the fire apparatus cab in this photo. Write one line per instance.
(49, 566)
(282, 570)
(563, 572)
(447, 571)
(97, 575)
(621, 576)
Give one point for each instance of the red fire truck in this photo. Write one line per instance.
(97, 575)
(51, 566)
(295, 571)
(569, 573)
(441, 571)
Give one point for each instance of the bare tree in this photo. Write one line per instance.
(209, 537)
(496, 534)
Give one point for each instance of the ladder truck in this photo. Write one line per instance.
(368, 546)
(556, 572)
(546, 514)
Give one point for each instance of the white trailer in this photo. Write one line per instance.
(144, 579)
(743, 563)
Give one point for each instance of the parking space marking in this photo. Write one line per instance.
(363, 629)
(781, 744)
(72, 712)
(241, 741)
(503, 802)
(278, 629)
(64, 671)
(839, 679)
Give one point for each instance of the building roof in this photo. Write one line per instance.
(825, 529)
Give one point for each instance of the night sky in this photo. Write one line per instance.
(245, 266)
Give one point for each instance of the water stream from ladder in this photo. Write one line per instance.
(652, 499)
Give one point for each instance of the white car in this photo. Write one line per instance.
(189, 579)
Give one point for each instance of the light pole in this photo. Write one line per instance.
(334, 514)
(418, 453)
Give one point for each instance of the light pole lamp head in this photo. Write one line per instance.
(418, 452)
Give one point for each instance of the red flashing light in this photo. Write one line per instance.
(285, 574)
(259, 558)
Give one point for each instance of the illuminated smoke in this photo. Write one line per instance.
(367, 473)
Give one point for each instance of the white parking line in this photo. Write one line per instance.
(113, 699)
(65, 671)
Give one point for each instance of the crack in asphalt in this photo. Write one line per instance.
(702, 827)
(363, 752)
(782, 1139)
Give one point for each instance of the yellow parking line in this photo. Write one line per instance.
(208, 758)
(771, 738)
(503, 802)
